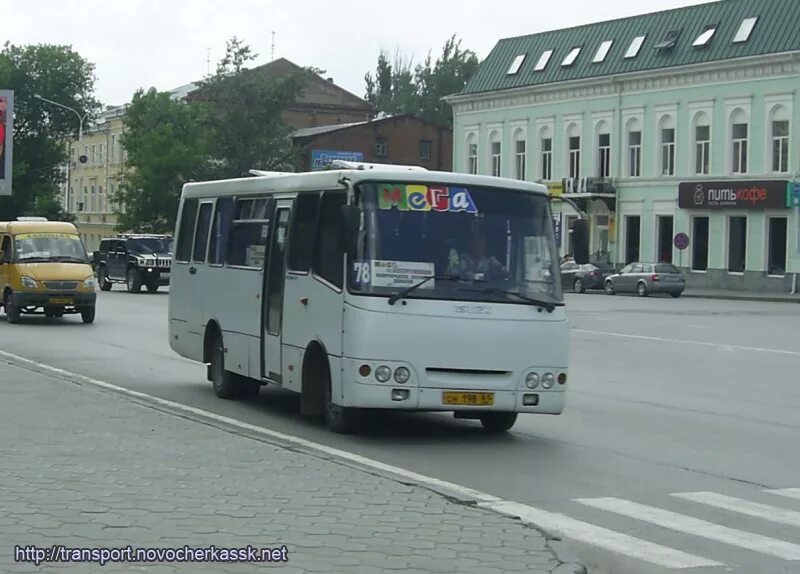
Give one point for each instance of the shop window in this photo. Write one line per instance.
(699, 244)
(737, 244)
(776, 236)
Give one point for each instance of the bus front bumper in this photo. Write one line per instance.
(384, 396)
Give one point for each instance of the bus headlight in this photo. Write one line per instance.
(548, 380)
(383, 373)
(532, 380)
(401, 375)
(29, 282)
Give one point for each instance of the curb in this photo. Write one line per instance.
(758, 298)
(569, 562)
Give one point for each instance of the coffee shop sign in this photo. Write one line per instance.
(744, 195)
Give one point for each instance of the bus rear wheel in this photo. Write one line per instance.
(498, 422)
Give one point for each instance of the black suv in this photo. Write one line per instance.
(135, 260)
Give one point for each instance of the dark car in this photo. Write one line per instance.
(134, 260)
(579, 278)
(646, 278)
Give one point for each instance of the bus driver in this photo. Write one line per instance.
(475, 263)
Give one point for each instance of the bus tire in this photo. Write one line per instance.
(498, 422)
(226, 384)
(12, 311)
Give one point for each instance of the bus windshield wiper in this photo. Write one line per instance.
(550, 306)
(403, 292)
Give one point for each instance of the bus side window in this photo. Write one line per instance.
(201, 236)
(328, 254)
(248, 237)
(301, 231)
(220, 230)
(186, 231)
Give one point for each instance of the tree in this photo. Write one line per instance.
(396, 90)
(167, 143)
(244, 108)
(41, 130)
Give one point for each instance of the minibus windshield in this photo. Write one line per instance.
(47, 247)
(477, 243)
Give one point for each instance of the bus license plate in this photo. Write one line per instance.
(61, 300)
(469, 399)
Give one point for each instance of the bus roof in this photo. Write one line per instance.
(331, 179)
(15, 227)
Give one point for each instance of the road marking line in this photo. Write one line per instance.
(787, 492)
(696, 527)
(602, 537)
(756, 509)
(687, 342)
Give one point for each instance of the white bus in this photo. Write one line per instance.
(374, 287)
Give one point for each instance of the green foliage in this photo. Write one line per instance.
(396, 89)
(167, 145)
(41, 130)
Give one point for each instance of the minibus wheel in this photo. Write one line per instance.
(12, 311)
(498, 422)
(339, 419)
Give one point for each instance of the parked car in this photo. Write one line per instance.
(582, 277)
(646, 278)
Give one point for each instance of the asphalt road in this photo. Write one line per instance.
(669, 398)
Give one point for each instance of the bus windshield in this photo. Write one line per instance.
(478, 243)
(41, 247)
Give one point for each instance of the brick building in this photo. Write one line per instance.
(401, 139)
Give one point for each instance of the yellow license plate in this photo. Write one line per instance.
(62, 300)
(469, 399)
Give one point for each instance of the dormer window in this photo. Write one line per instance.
(543, 59)
(745, 29)
(704, 38)
(602, 51)
(516, 64)
(669, 41)
(636, 45)
(571, 57)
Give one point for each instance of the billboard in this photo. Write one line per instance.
(750, 195)
(321, 158)
(6, 130)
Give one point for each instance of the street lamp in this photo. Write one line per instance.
(81, 119)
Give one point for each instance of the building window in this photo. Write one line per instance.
(94, 154)
(112, 156)
(667, 151)
(745, 28)
(604, 156)
(381, 148)
(699, 243)
(739, 141)
(702, 143)
(516, 65)
(102, 153)
(635, 46)
(496, 156)
(571, 57)
(737, 244)
(776, 253)
(635, 153)
(472, 155)
(541, 64)
(547, 159)
(780, 146)
(575, 156)
(425, 150)
(602, 51)
(519, 160)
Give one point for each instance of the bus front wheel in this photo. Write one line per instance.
(498, 422)
(339, 419)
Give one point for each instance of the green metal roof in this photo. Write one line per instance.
(776, 30)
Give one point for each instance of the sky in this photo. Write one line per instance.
(168, 43)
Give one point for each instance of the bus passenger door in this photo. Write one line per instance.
(274, 280)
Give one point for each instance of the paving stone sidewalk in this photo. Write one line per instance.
(83, 467)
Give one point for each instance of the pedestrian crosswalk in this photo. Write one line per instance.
(767, 517)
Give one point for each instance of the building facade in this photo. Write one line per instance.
(401, 139)
(675, 131)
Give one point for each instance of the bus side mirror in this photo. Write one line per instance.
(348, 230)
(580, 241)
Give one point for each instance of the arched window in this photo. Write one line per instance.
(701, 128)
(546, 147)
(666, 135)
(519, 154)
(739, 137)
(779, 139)
(472, 154)
(603, 150)
(634, 137)
(495, 148)
(574, 150)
